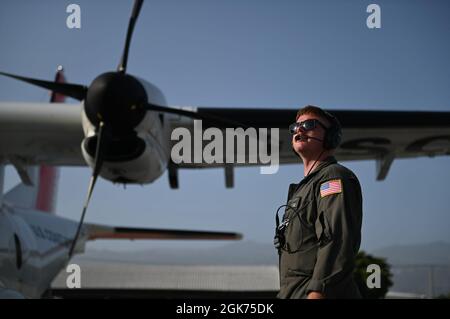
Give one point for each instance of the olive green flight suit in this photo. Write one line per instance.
(322, 234)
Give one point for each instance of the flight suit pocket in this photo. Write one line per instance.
(301, 242)
(298, 228)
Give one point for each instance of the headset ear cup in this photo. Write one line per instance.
(329, 141)
(329, 138)
(338, 137)
(333, 135)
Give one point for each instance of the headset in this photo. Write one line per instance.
(333, 135)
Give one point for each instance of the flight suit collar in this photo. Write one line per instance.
(294, 187)
(328, 161)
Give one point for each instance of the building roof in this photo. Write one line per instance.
(121, 275)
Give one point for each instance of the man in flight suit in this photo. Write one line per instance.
(320, 233)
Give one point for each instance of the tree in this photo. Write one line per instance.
(443, 296)
(360, 274)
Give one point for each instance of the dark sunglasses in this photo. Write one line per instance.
(307, 125)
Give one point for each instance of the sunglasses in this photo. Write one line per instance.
(307, 125)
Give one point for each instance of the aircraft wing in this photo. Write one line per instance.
(41, 133)
(51, 133)
(378, 135)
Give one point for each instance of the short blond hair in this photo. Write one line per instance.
(315, 110)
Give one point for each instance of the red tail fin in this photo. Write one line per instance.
(48, 183)
(48, 175)
(59, 78)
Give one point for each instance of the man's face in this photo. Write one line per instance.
(308, 146)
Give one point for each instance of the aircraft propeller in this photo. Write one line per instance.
(115, 102)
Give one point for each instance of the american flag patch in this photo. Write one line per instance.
(331, 187)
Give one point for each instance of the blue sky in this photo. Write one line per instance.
(270, 54)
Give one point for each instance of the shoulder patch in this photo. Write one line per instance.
(331, 187)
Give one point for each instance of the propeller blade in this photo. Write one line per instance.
(207, 117)
(97, 167)
(134, 15)
(75, 91)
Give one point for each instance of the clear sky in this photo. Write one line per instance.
(248, 53)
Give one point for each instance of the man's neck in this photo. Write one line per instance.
(311, 162)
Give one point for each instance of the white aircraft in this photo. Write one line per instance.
(35, 242)
(123, 126)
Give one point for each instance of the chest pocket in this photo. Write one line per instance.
(299, 232)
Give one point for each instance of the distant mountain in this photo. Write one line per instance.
(421, 268)
(243, 253)
(435, 253)
(248, 253)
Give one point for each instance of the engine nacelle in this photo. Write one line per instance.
(138, 156)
